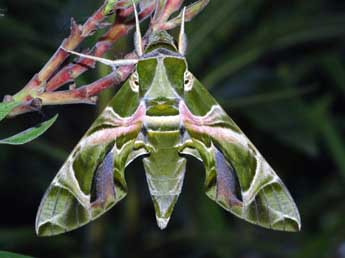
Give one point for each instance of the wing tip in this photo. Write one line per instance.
(49, 229)
(288, 224)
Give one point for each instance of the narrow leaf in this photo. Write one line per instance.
(6, 108)
(118, 4)
(143, 4)
(191, 11)
(195, 8)
(12, 255)
(159, 9)
(29, 134)
(109, 7)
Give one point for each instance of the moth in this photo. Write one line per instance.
(163, 114)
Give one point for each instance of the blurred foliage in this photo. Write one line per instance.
(277, 67)
(11, 255)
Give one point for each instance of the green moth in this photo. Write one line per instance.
(164, 114)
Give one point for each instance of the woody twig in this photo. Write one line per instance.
(43, 88)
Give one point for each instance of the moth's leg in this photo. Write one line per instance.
(145, 147)
(187, 146)
(113, 63)
(142, 144)
(103, 183)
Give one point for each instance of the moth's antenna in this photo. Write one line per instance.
(138, 42)
(182, 41)
(113, 63)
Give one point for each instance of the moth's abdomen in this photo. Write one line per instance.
(165, 170)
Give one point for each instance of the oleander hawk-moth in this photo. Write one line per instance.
(164, 114)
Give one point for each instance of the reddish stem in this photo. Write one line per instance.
(77, 35)
(43, 85)
(118, 30)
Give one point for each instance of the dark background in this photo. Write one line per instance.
(277, 67)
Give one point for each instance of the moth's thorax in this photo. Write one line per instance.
(161, 81)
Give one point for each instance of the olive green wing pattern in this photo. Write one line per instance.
(91, 180)
(238, 178)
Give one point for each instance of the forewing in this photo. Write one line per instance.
(238, 178)
(92, 179)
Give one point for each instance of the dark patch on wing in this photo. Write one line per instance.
(227, 183)
(103, 187)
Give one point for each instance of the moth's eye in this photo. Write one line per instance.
(188, 81)
(134, 82)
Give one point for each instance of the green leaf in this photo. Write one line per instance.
(109, 7)
(195, 8)
(6, 108)
(29, 134)
(12, 255)
(116, 4)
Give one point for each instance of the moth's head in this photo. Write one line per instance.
(161, 80)
(158, 40)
